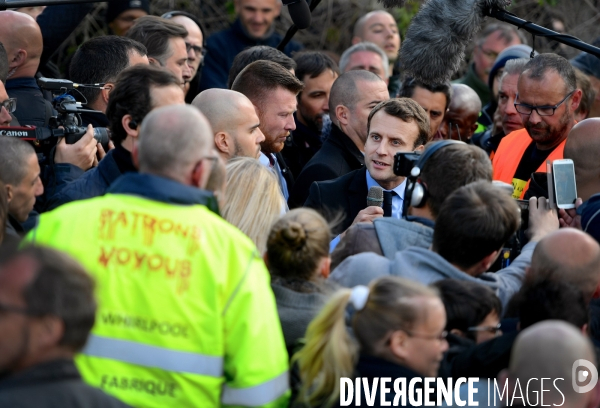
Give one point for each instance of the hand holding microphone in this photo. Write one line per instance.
(374, 206)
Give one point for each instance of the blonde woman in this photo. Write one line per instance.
(253, 200)
(398, 328)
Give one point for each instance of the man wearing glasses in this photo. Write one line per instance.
(493, 39)
(7, 106)
(195, 43)
(547, 97)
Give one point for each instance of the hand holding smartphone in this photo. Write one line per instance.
(565, 189)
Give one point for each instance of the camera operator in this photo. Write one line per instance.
(99, 61)
(68, 161)
(138, 90)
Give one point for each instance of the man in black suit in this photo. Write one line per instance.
(272, 89)
(396, 125)
(353, 96)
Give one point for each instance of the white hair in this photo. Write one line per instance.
(365, 46)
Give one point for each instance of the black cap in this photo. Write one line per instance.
(116, 7)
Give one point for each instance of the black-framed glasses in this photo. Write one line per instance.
(10, 105)
(199, 51)
(542, 110)
(490, 329)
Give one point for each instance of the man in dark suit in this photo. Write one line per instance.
(272, 89)
(353, 96)
(396, 125)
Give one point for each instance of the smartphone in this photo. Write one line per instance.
(565, 190)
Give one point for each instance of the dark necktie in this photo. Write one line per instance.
(387, 203)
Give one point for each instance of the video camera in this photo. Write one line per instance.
(404, 163)
(66, 124)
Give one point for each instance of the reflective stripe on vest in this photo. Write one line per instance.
(259, 394)
(153, 356)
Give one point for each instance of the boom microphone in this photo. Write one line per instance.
(375, 197)
(392, 3)
(436, 40)
(299, 12)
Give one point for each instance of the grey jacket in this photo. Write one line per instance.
(397, 235)
(296, 310)
(425, 266)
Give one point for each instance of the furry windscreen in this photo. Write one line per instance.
(435, 42)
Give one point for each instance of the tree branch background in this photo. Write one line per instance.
(333, 20)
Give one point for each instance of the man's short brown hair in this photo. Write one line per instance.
(262, 77)
(155, 33)
(452, 167)
(61, 288)
(408, 111)
(474, 221)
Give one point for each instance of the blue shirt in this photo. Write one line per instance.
(397, 203)
(277, 170)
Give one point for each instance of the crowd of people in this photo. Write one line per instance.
(224, 248)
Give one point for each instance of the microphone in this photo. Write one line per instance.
(375, 197)
(392, 3)
(436, 40)
(299, 12)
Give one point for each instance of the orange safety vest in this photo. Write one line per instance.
(509, 154)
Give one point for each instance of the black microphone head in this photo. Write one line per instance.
(435, 42)
(375, 197)
(300, 13)
(392, 3)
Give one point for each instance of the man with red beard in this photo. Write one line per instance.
(272, 89)
(547, 97)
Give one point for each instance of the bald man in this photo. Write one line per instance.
(550, 350)
(380, 28)
(570, 255)
(234, 122)
(583, 147)
(460, 121)
(22, 39)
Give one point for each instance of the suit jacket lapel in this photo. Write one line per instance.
(357, 192)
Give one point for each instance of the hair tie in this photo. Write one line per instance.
(359, 297)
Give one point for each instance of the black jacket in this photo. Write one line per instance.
(338, 156)
(56, 384)
(285, 172)
(222, 47)
(371, 367)
(344, 196)
(32, 108)
(96, 119)
(95, 181)
(456, 346)
(485, 360)
(300, 147)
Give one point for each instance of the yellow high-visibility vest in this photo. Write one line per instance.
(186, 316)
